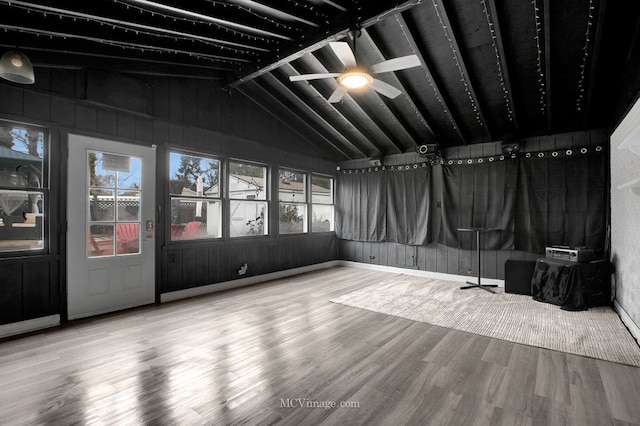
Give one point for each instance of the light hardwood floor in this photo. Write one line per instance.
(253, 355)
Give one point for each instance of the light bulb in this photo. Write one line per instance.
(354, 79)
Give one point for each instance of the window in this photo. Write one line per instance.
(248, 182)
(115, 184)
(23, 187)
(322, 203)
(292, 194)
(196, 206)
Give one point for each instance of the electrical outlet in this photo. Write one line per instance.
(243, 269)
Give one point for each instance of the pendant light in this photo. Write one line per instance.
(16, 67)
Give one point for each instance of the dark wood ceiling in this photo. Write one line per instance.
(490, 70)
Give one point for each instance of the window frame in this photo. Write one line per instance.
(332, 203)
(44, 189)
(219, 199)
(306, 230)
(266, 233)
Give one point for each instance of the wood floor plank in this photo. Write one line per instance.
(274, 353)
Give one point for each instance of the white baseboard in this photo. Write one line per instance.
(420, 273)
(634, 329)
(35, 324)
(226, 285)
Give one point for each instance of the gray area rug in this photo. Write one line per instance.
(596, 333)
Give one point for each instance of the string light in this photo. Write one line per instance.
(194, 22)
(415, 109)
(309, 9)
(468, 161)
(436, 92)
(463, 78)
(396, 9)
(124, 45)
(583, 66)
(163, 33)
(494, 43)
(541, 78)
(277, 24)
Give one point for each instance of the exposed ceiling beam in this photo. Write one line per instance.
(129, 24)
(547, 61)
(336, 5)
(466, 77)
(395, 81)
(287, 123)
(322, 39)
(303, 107)
(119, 43)
(207, 18)
(106, 61)
(491, 4)
(434, 85)
(273, 12)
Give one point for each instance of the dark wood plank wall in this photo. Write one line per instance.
(175, 113)
(440, 258)
(203, 264)
(30, 288)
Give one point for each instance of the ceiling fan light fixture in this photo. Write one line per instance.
(354, 79)
(16, 67)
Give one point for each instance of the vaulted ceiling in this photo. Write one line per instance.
(490, 70)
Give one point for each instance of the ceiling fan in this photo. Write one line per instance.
(355, 78)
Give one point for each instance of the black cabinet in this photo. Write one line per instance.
(570, 285)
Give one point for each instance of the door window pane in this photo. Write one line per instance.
(127, 238)
(100, 240)
(115, 192)
(129, 177)
(128, 205)
(98, 176)
(101, 205)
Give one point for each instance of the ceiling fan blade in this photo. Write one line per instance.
(313, 76)
(337, 95)
(384, 88)
(396, 64)
(344, 53)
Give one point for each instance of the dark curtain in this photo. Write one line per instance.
(479, 195)
(360, 206)
(409, 206)
(561, 201)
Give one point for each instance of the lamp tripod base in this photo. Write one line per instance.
(482, 286)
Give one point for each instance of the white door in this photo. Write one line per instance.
(110, 226)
